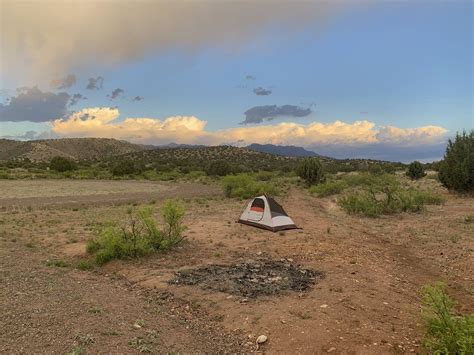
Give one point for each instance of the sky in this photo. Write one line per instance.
(374, 79)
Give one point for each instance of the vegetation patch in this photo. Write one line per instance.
(385, 195)
(139, 235)
(329, 188)
(250, 279)
(245, 186)
(446, 332)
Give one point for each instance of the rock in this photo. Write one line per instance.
(290, 260)
(137, 326)
(259, 253)
(324, 306)
(330, 350)
(261, 339)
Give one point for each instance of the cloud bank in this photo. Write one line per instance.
(338, 136)
(50, 36)
(258, 114)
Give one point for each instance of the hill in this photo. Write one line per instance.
(285, 150)
(199, 157)
(72, 148)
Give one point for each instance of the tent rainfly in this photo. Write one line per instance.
(264, 212)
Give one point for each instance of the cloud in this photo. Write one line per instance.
(250, 77)
(50, 36)
(63, 83)
(138, 98)
(33, 135)
(116, 93)
(75, 99)
(261, 91)
(339, 137)
(259, 114)
(95, 83)
(32, 104)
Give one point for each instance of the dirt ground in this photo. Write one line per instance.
(360, 294)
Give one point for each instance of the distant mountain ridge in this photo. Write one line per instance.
(285, 150)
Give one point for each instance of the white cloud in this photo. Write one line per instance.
(103, 122)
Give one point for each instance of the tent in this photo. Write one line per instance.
(264, 212)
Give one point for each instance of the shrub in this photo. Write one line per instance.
(329, 188)
(456, 171)
(62, 164)
(311, 171)
(218, 168)
(124, 167)
(446, 332)
(415, 170)
(385, 196)
(140, 235)
(245, 186)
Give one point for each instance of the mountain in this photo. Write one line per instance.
(72, 148)
(285, 150)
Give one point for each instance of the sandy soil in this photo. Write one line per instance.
(367, 301)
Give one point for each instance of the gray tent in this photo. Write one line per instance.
(264, 212)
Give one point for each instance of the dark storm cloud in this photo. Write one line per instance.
(31, 104)
(262, 92)
(75, 99)
(63, 83)
(259, 114)
(95, 83)
(137, 98)
(116, 93)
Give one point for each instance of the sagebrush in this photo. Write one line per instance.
(140, 234)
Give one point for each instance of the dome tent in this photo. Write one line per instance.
(264, 212)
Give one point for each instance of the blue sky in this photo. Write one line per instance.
(407, 65)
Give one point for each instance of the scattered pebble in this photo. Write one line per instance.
(330, 350)
(261, 339)
(324, 306)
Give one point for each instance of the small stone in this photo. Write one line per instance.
(324, 306)
(261, 339)
(137, 326)
(259, 253)
(330, 350)
(290, 260)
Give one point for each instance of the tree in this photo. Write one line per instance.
(124, 167)
(415, 170)
(219, 168)
(311, 171)
(456, 171)
(62, 164)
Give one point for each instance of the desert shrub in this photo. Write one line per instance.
(264, 176)
(415, 170)
(218, 168)
(245, 186)
(329, 188)
(385, 196)
(85, 265)
(311, 171)
(124, 167)
(456, 171)
(376, 169)
(446, 332)
(139, 235)
(62, 164)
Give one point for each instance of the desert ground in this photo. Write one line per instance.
(366, 273)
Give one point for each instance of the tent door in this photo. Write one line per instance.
(256, 210)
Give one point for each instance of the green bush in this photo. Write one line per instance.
(415, 171)
(140, 235)
(245, 186)
(456, 171)
(124, 167)
(311, 171)
(329, 188)
(219, 168)
(386, 196)
(62, 164)
(446, 332)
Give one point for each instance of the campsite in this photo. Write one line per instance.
(340, 283)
